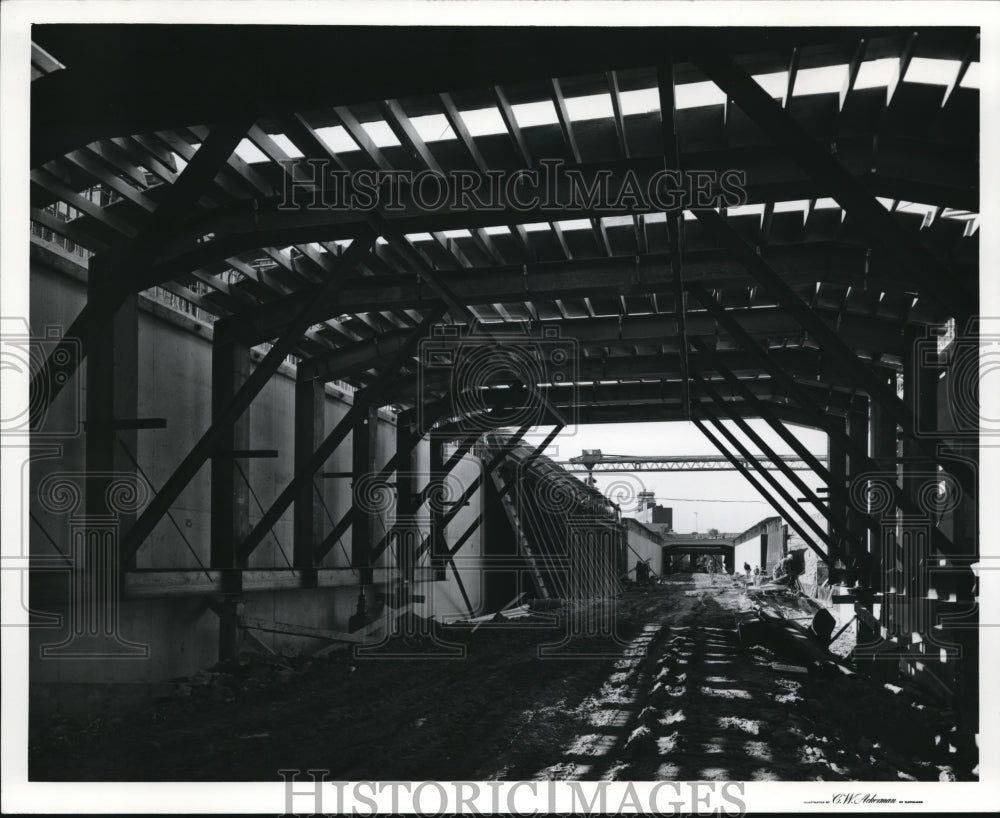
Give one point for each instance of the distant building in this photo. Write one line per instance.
(763, 544)
(663, 516)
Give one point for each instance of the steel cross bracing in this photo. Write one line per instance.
(711, 462)
(789, 315)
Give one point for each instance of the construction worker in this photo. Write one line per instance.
(642, 573)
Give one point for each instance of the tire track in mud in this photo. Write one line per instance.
(688, 702)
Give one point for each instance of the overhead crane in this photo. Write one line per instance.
(594, 460)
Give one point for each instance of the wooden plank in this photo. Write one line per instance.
(154, 583)
(270, 626)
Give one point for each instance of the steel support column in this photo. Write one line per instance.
(364, 440)
(310, 412)
(920, 397)
(438, 545)
(857, 434)
(407, 490)
(836, 459)
(112, 393)
(230, 495)
(885, 453)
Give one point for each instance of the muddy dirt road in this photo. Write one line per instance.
(678, 699)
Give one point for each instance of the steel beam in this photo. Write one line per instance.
(118, 267)
(836, 452)
(719, 365)
(447, 516)
(861, 206)
(406, 493)
(397, 462)
(818, 416)
(607, 358)
(521, 400)
(675, 220)
(749, 456)
(837, 524)
(89, 99)
(828, 338)
(771, 177)
(802, 365)
(635, 413)
(238, 404)
(438, 471)
(369, 397)
(756, 483)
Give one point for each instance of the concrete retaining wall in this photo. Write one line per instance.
(175, 383)
(643, 543)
